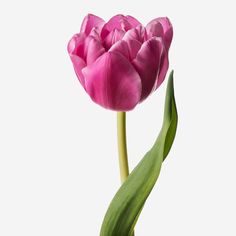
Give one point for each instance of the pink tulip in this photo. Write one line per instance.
(119, 63)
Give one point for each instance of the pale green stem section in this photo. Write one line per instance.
(122, 146)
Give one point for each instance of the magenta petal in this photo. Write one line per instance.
(94, 50)
(120, 47)
(137, 33)
(168, 31)
(114, 36)
(75, 45)
(95, 33)
(161, 27)
(119, 22)
(134, 46)
(112, 82)
(78, 64)
(89, 22)
(134, 39)
(76, 50)
(164, 65)
(141, 33)
(154, 29)
(147, 64)
(113, 23)
(134, 22)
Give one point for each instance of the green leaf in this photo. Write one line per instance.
(128, 202)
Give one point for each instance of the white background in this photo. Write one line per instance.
(58, 154)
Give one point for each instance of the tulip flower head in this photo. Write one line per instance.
(121, 62)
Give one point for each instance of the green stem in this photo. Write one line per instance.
(122, 147)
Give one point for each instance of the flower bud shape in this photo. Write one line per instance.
(121, 62)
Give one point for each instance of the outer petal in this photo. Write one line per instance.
(168, 31)
(78, 64)
(164, 65)
(112, 82)
(154, 29)
(79, 44)
(121, 47)
(76, 51)
(88, 48)
(147, 63)
(161, 27)
(76, 44)
(89, 22)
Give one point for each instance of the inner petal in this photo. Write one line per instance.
(134, 39)
(114, 36)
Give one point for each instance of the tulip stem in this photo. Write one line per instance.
(122, 146)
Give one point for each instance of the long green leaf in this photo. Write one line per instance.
(128, 202)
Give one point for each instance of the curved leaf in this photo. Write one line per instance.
(128, 202)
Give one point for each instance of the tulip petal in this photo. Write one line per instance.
(76, 51)
(114, 36)
(120, 47)
(112, 82)
(147, 63)
(76, 45)
(168, 31)
(89, 22)
(94, 50)
(133, 21)
(164, 65)
(134, 39)
(137, 33)
(113, 23)
(161, 27)
(154, 28)
(78, 64)
(134, 46)
(119, 22)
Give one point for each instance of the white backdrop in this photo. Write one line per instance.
(58, 154)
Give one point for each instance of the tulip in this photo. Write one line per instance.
(121, 62)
